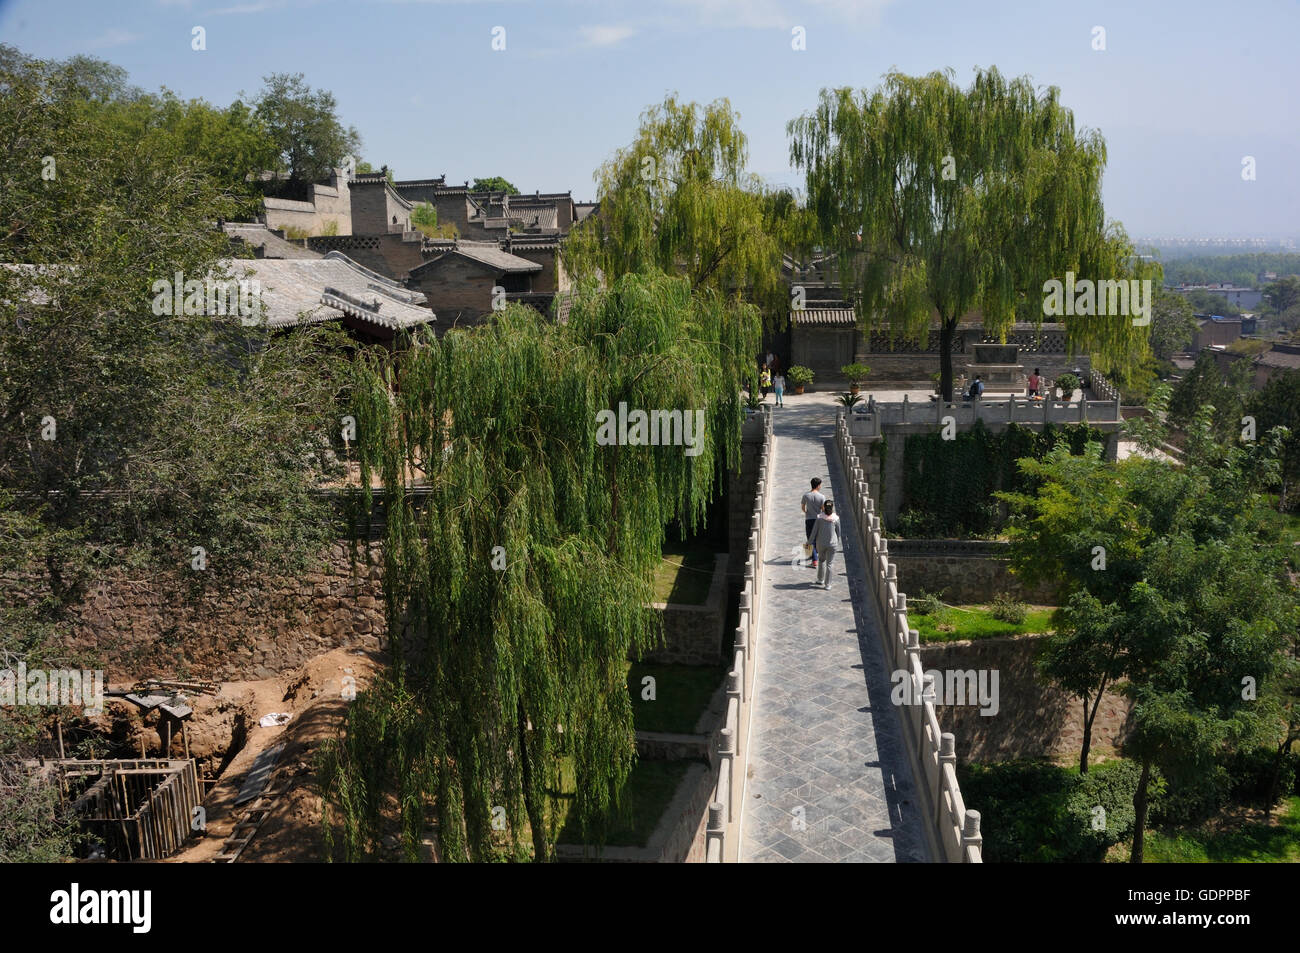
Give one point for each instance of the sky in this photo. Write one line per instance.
(1183, 91)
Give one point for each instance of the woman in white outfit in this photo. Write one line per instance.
(827, 541)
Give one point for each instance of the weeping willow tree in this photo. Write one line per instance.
(678, 199)
(520, 571)
(939, 201)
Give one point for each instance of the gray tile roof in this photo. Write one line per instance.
(266, 242)
(489, 254)
(825, 317)
(1281, 355)
(297, 291)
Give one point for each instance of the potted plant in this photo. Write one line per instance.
(849, 401)
(799, 377)
(856, 374)
(1066, 385)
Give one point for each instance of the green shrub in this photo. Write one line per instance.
(1038, 812)
(1109, 786)
(927, 603)
(1068, 383)
(855, 373)
(1005, 609)
(1193, 798)
(916, 524)
(1252, 775)
(800, 376)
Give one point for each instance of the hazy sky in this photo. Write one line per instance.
(1182, 92)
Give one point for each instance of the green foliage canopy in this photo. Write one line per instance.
(516, 670)
(678, 199)
(940, 201)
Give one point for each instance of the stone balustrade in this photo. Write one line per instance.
(1019, 410)
(722, 840)
(957, 829)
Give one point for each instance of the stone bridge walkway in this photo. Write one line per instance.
(829, 777)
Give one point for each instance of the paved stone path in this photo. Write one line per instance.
(829, 779)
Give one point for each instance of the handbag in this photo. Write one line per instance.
(807, 549)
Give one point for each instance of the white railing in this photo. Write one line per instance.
(1103, 388)
(1007, 410)
(958, 829)
(721, 840)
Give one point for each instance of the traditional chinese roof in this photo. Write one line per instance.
(825, 317)
(297, 291)
(488, 254)
(265, 243)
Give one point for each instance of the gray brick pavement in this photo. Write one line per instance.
(829, 779)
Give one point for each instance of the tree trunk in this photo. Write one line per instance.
(1087, 737)
(946, 331)
(1140, 813)
(531, 807)
(1271, 795)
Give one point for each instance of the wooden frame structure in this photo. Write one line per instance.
(141, 809)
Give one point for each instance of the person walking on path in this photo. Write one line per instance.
(826, 543)
(812, 507)
(778, 382)
(765, 379)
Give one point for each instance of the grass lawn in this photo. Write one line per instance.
(685, 574)
(682, 692)
(1251, 843)
(649, 788)
(956, 623)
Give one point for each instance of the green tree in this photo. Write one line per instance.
(1191, 605)
(1283, 294)
(304, 125)
(493, 184)
(1277, 404)
(513, 679)
(147, 433)
(1172, 325)
(1206, 302)
(678, 199)
(941, 200)
(1205, 385)
(1078, 529)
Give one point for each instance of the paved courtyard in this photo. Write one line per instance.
(829, 779)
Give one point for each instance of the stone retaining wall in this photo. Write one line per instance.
(963, 577)
(1034, 719)
(693, 634)
(144, 625)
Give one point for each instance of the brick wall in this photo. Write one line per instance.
(375, 205)
(392, 255)
(459, 291)
(325, 204)
(548, 280)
